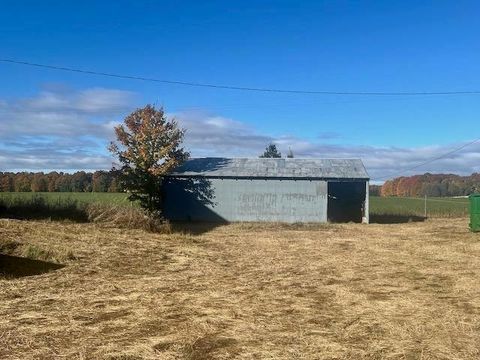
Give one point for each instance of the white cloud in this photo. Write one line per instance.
(61, 129)
(61, 161)
(217, 136)
(69, 130)
(85, 113)
(90, 101)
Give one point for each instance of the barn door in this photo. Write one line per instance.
(346, 201)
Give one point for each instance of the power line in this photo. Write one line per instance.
(270, 90)
(428, 161)
(240, 88)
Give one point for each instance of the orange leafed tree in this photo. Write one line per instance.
(148, 147)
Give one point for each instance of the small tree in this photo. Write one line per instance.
(271, 151)
(148, 147)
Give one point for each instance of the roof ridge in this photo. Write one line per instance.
(259, 158)
(308, 168)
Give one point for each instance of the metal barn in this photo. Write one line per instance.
(278, 190)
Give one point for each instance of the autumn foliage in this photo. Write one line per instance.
(80, 181)
(148, 147)
(432, 185)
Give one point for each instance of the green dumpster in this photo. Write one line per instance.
(474, 212)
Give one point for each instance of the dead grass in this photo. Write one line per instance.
(402, 291)
(35, 252)
(126, 217)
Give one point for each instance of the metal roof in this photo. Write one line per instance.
(273, 168)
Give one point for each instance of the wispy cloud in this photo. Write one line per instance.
(218, 136)
(69, 130)
(210, 135)
(60, 129)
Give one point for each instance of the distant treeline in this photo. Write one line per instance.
(81, 181)
(375, 190)
(432, 185)
(107, 181)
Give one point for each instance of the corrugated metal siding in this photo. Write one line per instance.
(246, 200)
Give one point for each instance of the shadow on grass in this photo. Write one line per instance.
(37, 208)
(125, 217)
(15, 267)
(194, 228)
(29, 212)
(394, 219)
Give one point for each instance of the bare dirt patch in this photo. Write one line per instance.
(399, 291)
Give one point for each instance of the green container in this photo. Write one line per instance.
(474, 212)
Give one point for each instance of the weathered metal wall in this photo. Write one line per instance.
(246, 200)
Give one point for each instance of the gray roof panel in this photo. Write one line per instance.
(273, 168)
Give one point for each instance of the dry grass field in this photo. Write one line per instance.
(246, 291)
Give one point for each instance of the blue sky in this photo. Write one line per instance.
(59, 120)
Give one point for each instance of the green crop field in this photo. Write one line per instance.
(436, 207)
(65, 197)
